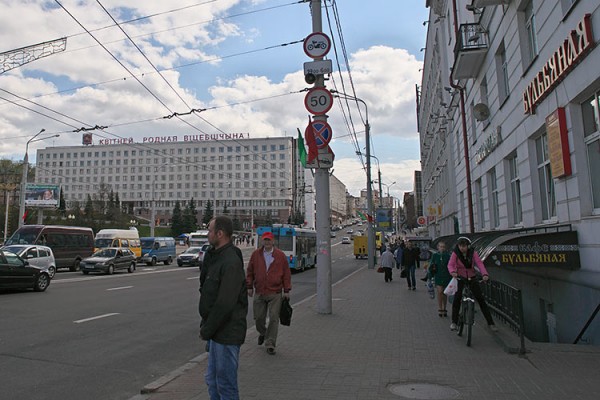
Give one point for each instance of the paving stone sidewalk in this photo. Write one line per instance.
(385, 342)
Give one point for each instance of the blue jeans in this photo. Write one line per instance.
(221, 374)
(410, 276)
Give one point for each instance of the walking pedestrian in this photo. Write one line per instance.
(223, 308)
(410, 261)
(387, 262)
(462, 264)
(438, 272)
(269, 273)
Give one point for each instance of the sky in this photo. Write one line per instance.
(241, 60)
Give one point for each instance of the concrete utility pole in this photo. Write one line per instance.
(324, 299)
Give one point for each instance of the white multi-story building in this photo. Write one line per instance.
(252, 178)
(510, 141)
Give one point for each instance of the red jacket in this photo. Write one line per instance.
(277, 278)
(455, 265)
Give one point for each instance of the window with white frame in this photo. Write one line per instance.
(545, 180)
(515, 191)
(502, 74)
(591, 121)
(494, 205)
(532, 46)
(480, 203)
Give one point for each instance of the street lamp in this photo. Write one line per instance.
(388, 189)
(153, 209)
(25, 172)
(370, 232)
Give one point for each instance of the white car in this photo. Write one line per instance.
(36, 255)
(346, 240)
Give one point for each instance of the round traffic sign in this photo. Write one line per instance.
(318, 101)
(422, 220)
(317, 44)
(321, 131)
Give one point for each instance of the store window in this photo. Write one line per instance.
(545, 180)
(591, 121)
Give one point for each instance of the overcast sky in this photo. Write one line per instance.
(242, 60)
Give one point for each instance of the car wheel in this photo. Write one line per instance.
(168, 261)
(41, 283)
(153, 262)
(52, 271)
(111, 269)
(85, 272)
(131, 267)
(75, 266)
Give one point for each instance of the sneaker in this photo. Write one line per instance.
(261, 340)
(493, 328)
(453, 327)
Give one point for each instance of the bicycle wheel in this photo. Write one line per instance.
(461, 320)
(469, 320)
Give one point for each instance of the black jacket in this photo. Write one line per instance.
(410, 257)
(223, 297)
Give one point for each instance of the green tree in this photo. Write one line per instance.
(225, 209)
(88, 210)
(177, 220)
(208, 213)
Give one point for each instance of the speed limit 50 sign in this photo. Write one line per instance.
(318, 101)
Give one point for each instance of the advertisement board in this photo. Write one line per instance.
(385, 218)
(43, 196)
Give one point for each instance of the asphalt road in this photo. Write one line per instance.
(104, 337)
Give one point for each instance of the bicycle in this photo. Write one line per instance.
(466, 315)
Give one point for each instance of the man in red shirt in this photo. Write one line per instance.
(269, 273)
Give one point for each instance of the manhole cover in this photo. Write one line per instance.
(424, 391)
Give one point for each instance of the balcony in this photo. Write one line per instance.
(485, 3)
(470, 51)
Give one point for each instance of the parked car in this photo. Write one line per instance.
(332, 234)
(108, 260)
(38, 256)
(193, 256)
(16, 273)
(346, 240)
(350, 231)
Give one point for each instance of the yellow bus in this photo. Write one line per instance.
(128, 238)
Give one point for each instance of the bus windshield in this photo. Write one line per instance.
(147, 244)
(24, 235)
(100, 243)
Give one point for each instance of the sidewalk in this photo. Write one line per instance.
(385, 342)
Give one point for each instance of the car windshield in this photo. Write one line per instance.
(14, 249)
(193, 250)
(105, 253)
(11, 258)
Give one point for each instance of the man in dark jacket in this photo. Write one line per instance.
(223, 307)
(410, 261)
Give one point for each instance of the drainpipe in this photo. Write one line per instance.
(463, 115)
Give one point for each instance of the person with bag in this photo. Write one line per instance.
(463, 262)
(269, 273)
(387, 263)
(410, 262)
(438, 272)
(223, 308)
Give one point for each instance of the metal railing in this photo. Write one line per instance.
(506, 303)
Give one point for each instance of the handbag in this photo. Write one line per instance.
(380, 269)
(285, 314)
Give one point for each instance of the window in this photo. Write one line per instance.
(502, 74)
(480, 203)
(591, 120)
(515, 191)
(532, 46)
(494, 205)
(473, 123)
(546, 183)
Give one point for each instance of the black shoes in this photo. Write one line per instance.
(261, 340)
(271, 351)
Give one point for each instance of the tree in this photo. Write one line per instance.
(225, 209)
(88, 210)
(177, 220)
(208, 213)
(62, 206)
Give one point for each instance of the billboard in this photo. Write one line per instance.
(385, 218)
(43, 196)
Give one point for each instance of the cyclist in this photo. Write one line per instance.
(462, 264)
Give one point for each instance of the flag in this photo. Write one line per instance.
(313, 150)
(301, 149)
(361, 215)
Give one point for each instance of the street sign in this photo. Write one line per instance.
(316, 45)
(318, 101)
(321, 67)
(422, 221)
(321, 131)
(323, 160)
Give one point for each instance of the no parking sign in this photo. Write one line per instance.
(321, 131)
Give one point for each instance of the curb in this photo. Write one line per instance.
(163, 380)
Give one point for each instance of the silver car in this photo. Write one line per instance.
(37, 256)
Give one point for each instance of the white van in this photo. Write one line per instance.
(126, 238)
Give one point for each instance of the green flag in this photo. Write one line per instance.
(301, 149)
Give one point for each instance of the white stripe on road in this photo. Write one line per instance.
(119, 288)
(80, 321)
(193, 277)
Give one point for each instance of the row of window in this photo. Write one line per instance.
(157, 152)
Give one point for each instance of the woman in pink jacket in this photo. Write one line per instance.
(462, 264)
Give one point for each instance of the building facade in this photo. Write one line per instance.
(255, 180)
(508, 115)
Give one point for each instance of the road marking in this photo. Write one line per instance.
(119, 288)
(80, 321)
(193, 277)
